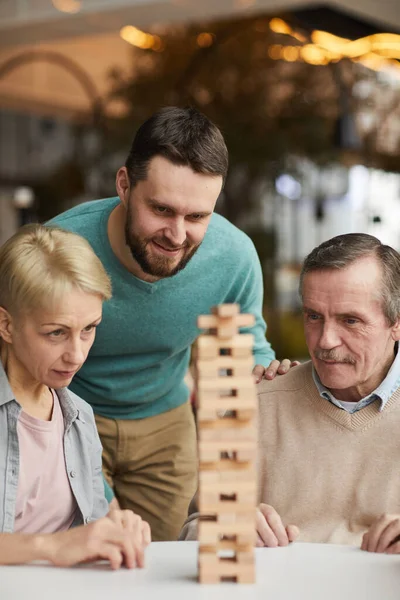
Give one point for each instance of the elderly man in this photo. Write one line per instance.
(329, 444)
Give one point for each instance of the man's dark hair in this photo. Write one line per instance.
(185, 137)
(341, 251)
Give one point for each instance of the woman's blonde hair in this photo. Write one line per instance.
(39, 264)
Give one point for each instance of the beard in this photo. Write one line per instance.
(156, 266)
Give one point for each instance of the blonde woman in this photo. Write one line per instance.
(52, 287)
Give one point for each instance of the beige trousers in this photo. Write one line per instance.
(151, 464)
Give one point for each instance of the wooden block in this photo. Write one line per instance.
(212, 454)
(228, 423)
(249, 394)
(226, 332)
(243, 540)
(206, 576)
(215, 322)
(208, 415)
(244, 478)
(228, 496)
(226, 310)
(225, 465)
(245, 433)
(207, 347)
(247, 575)
(209, 568)
(226, 383)
(241, 489)
(226, 518)
(211, 415)
(212, 577)
(209, 532)
(226, 544)
(241, 340)
(214, 368)
(238, 508)
(220, 400)
(241, 352)
(228, 445)
(228, 403)
(245, 415)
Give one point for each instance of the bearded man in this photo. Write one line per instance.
(170, 258)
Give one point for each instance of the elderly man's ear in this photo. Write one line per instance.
(396, 331)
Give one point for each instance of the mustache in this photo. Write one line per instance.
(332, 355)
(167, 244)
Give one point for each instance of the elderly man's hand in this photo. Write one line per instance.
(271, 531)
(383, 535)
(275, 368)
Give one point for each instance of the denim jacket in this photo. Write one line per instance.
(82, 450)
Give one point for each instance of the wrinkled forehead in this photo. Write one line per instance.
(357, 287)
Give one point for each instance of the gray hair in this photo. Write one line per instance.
(341, 251)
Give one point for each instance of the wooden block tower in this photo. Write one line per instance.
(227, 432)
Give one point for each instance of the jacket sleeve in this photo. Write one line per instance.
(100, 504)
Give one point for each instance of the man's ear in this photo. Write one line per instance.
(6, 325)
(396, 331)
(123, 185)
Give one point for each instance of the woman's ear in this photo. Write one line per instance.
(6, 325)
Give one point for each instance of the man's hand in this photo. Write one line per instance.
(104, 539)
(275, 368)
(383, 535)
(271, 531)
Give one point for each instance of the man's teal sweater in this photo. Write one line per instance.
(140, 356)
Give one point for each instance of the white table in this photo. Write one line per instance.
(300, 571)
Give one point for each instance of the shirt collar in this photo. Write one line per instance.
(382, 393)
(68, 406)
(6, 393)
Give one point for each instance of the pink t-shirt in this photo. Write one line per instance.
(45, 502)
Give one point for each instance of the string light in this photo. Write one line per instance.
(205, 40)
(67, 6)
(140, 39)
(374, 51)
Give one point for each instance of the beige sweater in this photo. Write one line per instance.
(326, 471)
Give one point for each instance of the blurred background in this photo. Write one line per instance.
(306, 93)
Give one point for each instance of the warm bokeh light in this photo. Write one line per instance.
(275, 52)
(290, 53)
(67, 6)
(375, 51)
(205, 40)
(245, 3)
(140, 39)
(158, 44)
(280, 26)
(313, 55)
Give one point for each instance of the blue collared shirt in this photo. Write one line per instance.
(382, 393)
(82, 450)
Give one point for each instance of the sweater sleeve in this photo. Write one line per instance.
(250, 298)
(189, 530)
